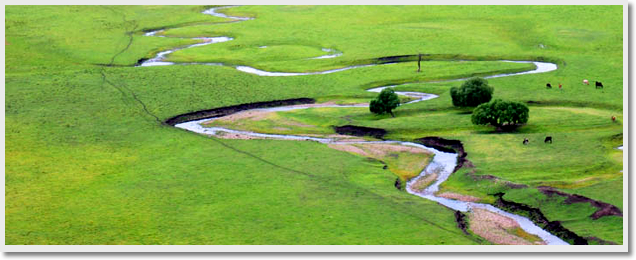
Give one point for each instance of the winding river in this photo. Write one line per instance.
(443, 163)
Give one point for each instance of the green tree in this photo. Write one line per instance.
(385, 102)
(505, 115)
(473, 92)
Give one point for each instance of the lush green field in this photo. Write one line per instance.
(89, 162)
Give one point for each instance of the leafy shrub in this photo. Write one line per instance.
(505, 115)
(385, 102)
(473, 92)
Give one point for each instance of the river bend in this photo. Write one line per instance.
(443, 163)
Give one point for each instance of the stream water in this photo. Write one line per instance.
(443, 163)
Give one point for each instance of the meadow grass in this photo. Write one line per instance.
(568, 163)
(88, 161)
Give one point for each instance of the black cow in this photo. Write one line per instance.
(398, 184)
(525, 141)
(599, 84)
(548, 139)
(548, 85)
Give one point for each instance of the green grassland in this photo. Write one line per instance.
(88, 161)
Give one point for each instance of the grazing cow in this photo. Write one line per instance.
(560, 86)
(599, 84)
(548, 85)
(398, 184)
(613, 119)
(586, 82)
(548, 139)
(525, 141)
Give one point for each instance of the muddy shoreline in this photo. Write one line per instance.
(442, 165)
(462, 224)
(603, 209)
(535, 214)
(228, 110)
(360, 131)
(448, 146)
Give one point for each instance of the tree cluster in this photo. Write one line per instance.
(385, 102)
(473, 92)
(501, 114)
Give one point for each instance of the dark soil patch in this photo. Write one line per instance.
(604, 209)
(140, 61)
(110, 65)
(492, 178)
(456, 146)
(516, 185)
(616, 137)
(147, 30)
(554, 227)
(598, 241)
(488, 177)
(398, 58)
(448, 146)
(360, 131)
(428, 57)
(224, 111)
(460, 218)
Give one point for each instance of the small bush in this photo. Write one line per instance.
(505, 115)
(385, 102)
(472, 93)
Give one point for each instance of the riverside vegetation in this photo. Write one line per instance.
(89, 160)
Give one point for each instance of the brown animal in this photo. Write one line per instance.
(548, 139)
(613, 119)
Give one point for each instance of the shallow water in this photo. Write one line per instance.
(212, 11)
(328, 56)
(442, 163)
(255, 71)
(158, 60)
(542, 67)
